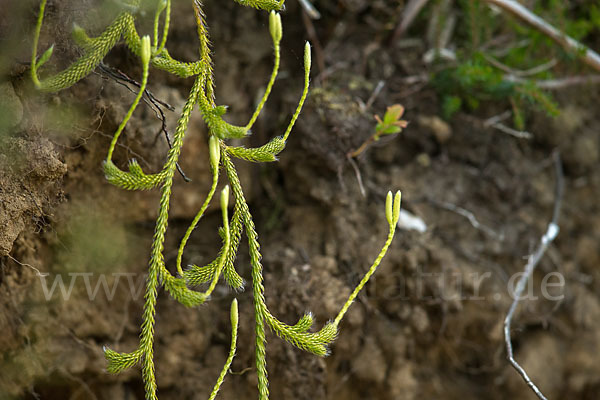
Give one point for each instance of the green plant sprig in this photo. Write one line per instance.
(152, 51)
(391, 124)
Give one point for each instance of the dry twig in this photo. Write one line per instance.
(155, 104)
(358, 176)
(310, 9)
(408, 16)
(588, 56)
(469, 216)
(314, 39)
(496, 123)
(532, 262)
(556, 84)
(518, 73)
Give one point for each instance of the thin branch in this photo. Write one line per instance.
(556, 84)
(470, 216)
(365, 106)
(314, 39)
(497, 118)
(528, 72)
(310, 10)
(588, 56)
(358, 176)
(532, 262)
(122, 79)
(37, 271)
(513, 132)
(504, 49)
(408, 16)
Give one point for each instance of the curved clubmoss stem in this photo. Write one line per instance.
(145, 73)
(307, 63)
(167, 23)
(194, 223)
(367, 276)
(234, 330)
(226, 245)
(157, 14)
(36, 39)
(277, 51)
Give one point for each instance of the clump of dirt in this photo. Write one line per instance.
(429, 324)
(30, 172)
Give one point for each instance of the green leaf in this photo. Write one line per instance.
(45, 57)
(393, 114)
(390, 130)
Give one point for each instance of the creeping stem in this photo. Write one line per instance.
(227, 235)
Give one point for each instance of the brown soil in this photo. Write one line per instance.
(429, 324)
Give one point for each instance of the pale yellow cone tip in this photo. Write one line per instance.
(396, 211)
(214, 151)
(146, 50)
(275, 26)
(307, 56)
(389, 211)
(225, 198)
(234, 313)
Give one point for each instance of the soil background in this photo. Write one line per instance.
(429, 324)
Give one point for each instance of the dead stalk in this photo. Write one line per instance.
(532, 262)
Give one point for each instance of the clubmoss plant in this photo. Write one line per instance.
(152, 52)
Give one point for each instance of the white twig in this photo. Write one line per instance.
(497, 118)
(434, 53)
(471, 217)
(496, 122)
(528, 72)
(442, 21)
(532, 262)
(504, 50)
(513, 132)
(408, 16)
(376, 92)
(310, 9)
(37, 271)
(589, 56)
(358, 176)
(538, 69)
(555, 84)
